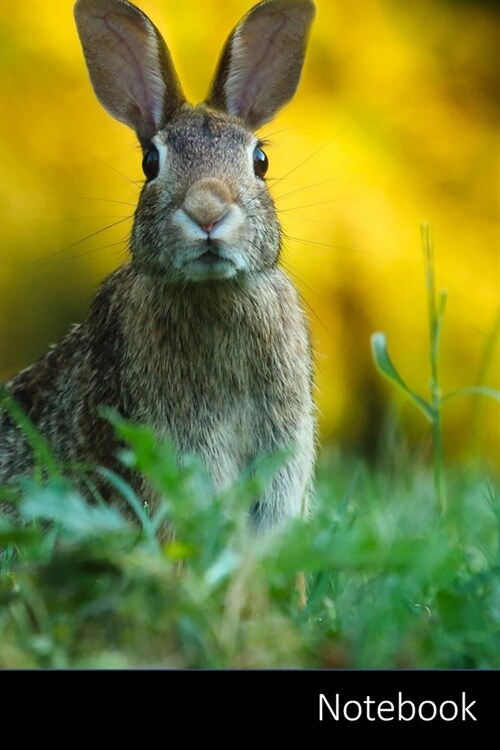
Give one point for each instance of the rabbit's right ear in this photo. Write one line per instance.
(129, 64)
(261, 63)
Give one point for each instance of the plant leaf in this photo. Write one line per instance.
(135, 503)
(63, 505)
(474, 390)
(385, 366)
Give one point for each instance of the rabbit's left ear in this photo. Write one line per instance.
(260, 65)
(129, 64)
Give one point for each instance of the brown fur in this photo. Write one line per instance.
(221, 366)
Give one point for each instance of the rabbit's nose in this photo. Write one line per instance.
(207, 202)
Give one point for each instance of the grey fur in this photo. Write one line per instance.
(219, 364)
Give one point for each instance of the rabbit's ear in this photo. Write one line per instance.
(260, 65)
(129, 64)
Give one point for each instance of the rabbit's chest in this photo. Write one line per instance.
(205, 399)
(229, 388)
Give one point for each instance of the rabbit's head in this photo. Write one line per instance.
(204, 211)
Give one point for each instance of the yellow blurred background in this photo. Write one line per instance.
(395, 122)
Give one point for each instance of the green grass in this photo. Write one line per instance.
(391, 582)
(432, 407)
(402, 560)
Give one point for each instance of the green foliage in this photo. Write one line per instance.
(91, 585)
(432, 409)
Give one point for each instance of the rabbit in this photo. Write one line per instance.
(201, 335)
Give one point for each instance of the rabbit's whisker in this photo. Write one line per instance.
(91, 217)
(109, 166)
(123, 242)
(305, 218)
(308, 158)
(79, 242)
(104, 200)
(313, 205)
(306, 187)
(305, 241)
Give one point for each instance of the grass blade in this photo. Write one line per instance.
(474, 390)
(385, 366)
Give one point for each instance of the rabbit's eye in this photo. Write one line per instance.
(151, 163)
(260, 162)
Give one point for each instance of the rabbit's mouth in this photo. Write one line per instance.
(209, 258)
(212, 261)
(210, 265)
